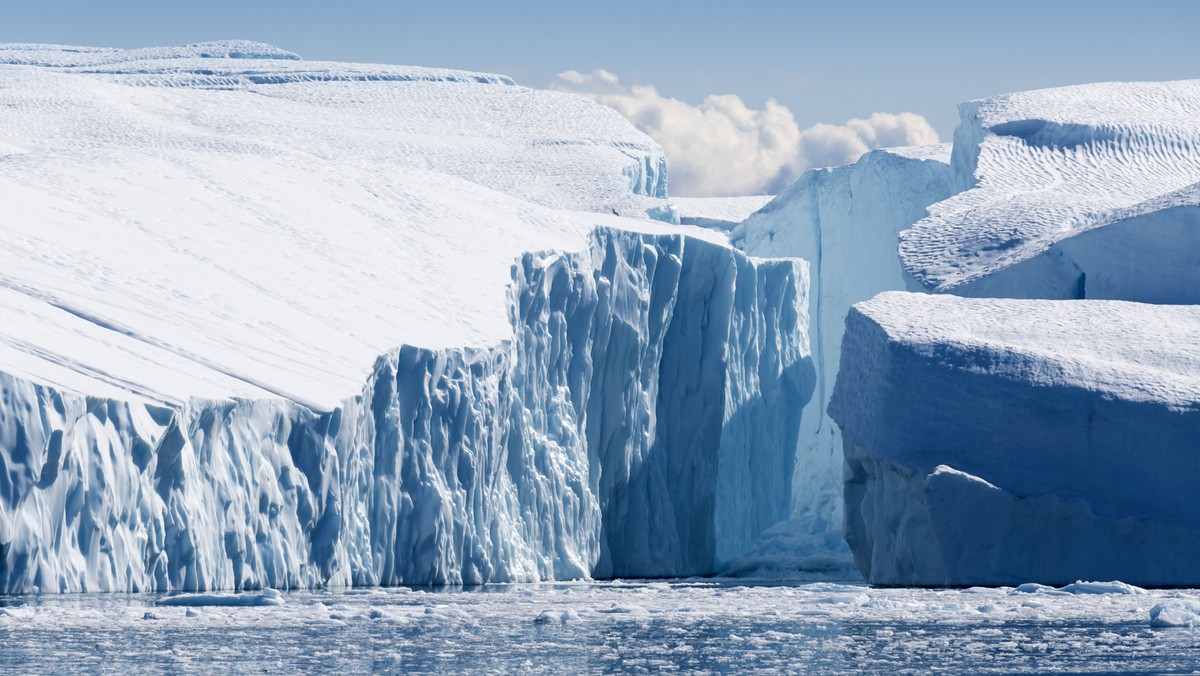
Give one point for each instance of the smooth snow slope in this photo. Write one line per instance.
(233, 313)
(844, 221)
(1091, 191)
(993, 441)
(227, 220)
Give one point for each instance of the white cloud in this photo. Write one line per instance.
(723, 147)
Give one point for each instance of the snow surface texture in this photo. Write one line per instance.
(647, 392)
(208, 247)
(844, 221)
(1090, 191)
(993, 441)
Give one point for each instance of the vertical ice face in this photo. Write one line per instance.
(845, 222)
(642, 420)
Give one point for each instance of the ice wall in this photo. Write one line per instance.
(1002, 441)
(845, 222)
(642, 420)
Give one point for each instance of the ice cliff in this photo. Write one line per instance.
(639, 423)
(269, 322)
(999, 441)
(845, 222)
(961, 468)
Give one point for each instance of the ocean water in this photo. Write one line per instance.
(692, 626)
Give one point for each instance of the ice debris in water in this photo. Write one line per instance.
(268, 597)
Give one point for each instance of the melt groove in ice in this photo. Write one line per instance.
(642, 421)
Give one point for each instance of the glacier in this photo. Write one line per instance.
(1086, 192)
(278, 323)
(994, 441)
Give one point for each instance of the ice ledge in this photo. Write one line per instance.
(1041, 173)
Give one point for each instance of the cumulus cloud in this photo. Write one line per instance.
(723, 147)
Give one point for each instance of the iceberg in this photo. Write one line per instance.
(1091, 191)
(272, 323)
(997, 441)
(844, 221)
(645, 397)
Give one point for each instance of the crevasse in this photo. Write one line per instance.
(642, 421)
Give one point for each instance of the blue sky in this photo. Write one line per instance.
(827, 62)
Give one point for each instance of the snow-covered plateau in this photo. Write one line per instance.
(267, 322)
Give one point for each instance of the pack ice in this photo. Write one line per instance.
(271, 322)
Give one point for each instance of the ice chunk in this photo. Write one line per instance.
(1114, 587)
(1180, 612)
(268, 597)
(1080, 587)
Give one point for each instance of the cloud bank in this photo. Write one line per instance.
(723, 147)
